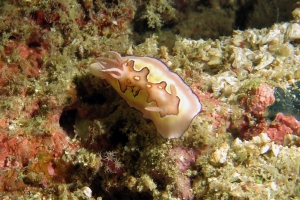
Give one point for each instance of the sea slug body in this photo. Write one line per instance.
(149, 86)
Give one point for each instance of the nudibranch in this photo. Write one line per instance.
(148, 85)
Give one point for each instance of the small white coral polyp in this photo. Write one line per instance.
(110, 155)
(149, 86)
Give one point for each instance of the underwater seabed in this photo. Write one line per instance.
(66, 134)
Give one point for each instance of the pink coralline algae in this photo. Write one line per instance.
(281, 126)
(184, 189)
(257, 103)
(219, 119)
(258, 100)
(31, 57)
(19, 152)
(276, 130)
(184, 159)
